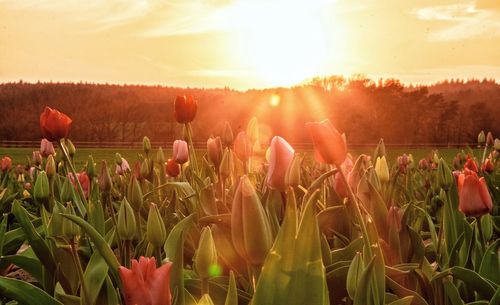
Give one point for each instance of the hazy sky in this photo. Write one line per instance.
(246, 43)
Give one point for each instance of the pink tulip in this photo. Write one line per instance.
(281, 154)
(180, 154)
(122, 168)
(146, 284)
(214, 150)
(329, 145)
(6, 163)
(242, 146)
(474, 198)
(46, 148)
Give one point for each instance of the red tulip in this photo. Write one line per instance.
(180, 151)
(172, 168)
(84, 180)
(470, 164)
(329, 145)
(242, 146)
(144, 284)
(54, 124)
(474, 198)
(6, 163)
(185, 109)
(423, 164)
(46, 148)
(487, 166)
(279, 160)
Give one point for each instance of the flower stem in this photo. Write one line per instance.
(78, 266)
(73, 171)
(481, 235)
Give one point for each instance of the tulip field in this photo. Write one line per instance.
(247, 222)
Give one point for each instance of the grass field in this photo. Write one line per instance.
(20, 155)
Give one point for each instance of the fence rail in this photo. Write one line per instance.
(201, 145)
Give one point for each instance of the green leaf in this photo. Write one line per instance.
(94, 277)
(471, 279)
(452, 292)
(28, 264)
(363, 289)
(490, 264)
(25, 293)
(232, 292)
(404, 301)
(3, 229)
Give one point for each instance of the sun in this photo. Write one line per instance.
(282, 42)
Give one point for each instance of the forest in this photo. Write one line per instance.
(451, 112)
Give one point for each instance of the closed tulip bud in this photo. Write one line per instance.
(281, 157)
(41, 191)
(160, 156)
(481, 138)
(329, 145)
(488, 166)
(135, 194)
(227, 164)
(37, 158)
(71, 147)
(145, 168)
(118, 159)
(496, 144)
(411, 161)
(474, 198)
(91, 172)
(123, 167)
(55, 227)
(54, 124)
(67, 191)
(242, 146)
(354, 273)
(227, 135)
(126, 226)
(105, 182)
(435, 158)
(70, 229)
(250, 228)
(185, 109)
(156, 232)
(382, 169)
(379, 150)
(489, 139)
(50, 167)
(253, 129)
(6, 164)
(180, 151)
(146, 145)
(206, 254)
(444, 176)
(423, 164)
(214, 150)
(172, 168)
(470, 164)
(394, 218)
(292, 176)
(46, 148)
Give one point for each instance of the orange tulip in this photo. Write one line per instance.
(329, 145)
(6, 163)
(474, 198)
(54, 124)
(280, 157)
(242, 146)
(172, 168)
(185, 109)
(470, 164)
(145, 284)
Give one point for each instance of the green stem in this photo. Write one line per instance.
(484, 153)
(192, 153)
(204, 286)
(157, 253)
(481, 235)
(73, 171)
(78, 266)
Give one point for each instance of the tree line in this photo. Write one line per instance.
(452, 111)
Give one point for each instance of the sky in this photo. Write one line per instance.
(246, 44)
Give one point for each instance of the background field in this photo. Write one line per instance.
(20, 155)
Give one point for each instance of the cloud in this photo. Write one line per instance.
(465, 21)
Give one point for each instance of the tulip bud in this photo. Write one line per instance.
(250, 228)
(489, 139)
(280, 158)
(160, 156)
(118, 159)
(435, 158)
(253, 129)
(69, 228)
(382, 169)
(156, 232)
(91, 167)
(214, 149)
(329, 145)
(67, 191)
(71, 148)
(496, 144)
(354, 273)
(55, 226)
(6, 164)
(444, 176)
(105, 182)
(41, 191)
(145, 168)
(126, 226)
(227, 164)
(172, 168)
(474, 197)
(180, 151)
(487, 166)
(135, 194)
(146, 145)
(37, 158)
(123, 167)
(50, 167)
(227, 135)
(46, 148)
(292, 176)
(379, 150)
(394, 218)
(206, 255)
(481, 138)
(242, 146)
